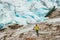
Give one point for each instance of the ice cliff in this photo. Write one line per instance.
(25, 11)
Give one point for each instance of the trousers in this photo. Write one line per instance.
(37, 33)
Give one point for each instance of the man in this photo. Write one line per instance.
(36, 28)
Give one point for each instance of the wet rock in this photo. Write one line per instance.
(30, 38)
(21, 35)
(15, 26)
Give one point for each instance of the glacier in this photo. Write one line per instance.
(24, 12)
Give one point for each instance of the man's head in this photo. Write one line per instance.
(36, 24)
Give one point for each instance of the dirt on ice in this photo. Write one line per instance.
(55, 14)
(46, 32)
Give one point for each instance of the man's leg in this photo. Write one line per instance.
(37, 33)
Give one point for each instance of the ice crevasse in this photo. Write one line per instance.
(25, 11)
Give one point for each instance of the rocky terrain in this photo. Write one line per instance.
(55, 14)
(49, 30)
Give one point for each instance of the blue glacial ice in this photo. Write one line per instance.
(25, 11)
